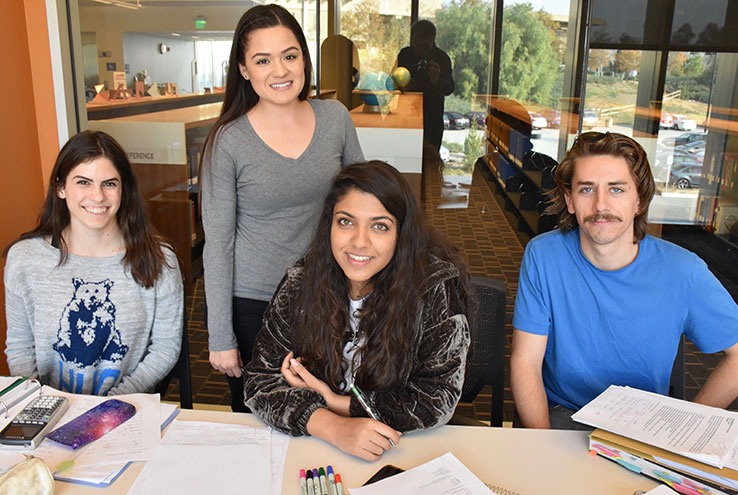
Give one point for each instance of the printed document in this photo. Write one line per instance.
(706, 434)
(441, 476)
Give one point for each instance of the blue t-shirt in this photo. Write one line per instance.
(618, 327)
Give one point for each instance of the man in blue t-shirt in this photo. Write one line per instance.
(599, 302)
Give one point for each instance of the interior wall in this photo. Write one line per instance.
(21, 177)
(141, 51)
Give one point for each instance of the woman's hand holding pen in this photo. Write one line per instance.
(362, 437)
(298, 376)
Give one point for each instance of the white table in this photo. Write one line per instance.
(530, 462)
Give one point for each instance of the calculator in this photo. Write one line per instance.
(30, 426)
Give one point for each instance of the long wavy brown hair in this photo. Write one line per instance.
(613, 144)
(144, 256)
(390, 314)
(240, 96)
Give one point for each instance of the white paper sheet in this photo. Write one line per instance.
(662, 490)
(442, 476)
(703, 433)
(198, 457)
(280, 443)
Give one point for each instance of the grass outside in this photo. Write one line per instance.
(603, 94)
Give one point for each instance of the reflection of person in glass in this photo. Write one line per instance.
(430, 70)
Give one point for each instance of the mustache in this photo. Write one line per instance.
(598, 217)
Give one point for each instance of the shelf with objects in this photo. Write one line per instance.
(518, 175)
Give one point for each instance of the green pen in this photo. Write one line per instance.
(13, 385)
(360, 397)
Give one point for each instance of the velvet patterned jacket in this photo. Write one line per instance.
(429, 394)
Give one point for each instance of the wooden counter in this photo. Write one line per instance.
(148, 104)
(198, 116)
(406, 112)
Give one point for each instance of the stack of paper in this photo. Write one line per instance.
(202, 457)
(100, 462)
(690, 438)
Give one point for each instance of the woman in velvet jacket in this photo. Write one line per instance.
(379, 301)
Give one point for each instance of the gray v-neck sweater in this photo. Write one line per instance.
(260, 209)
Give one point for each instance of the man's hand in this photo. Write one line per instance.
(362, 437)
(298, 376)
(228, 362)
(526, 378)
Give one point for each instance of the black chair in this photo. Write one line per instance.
(485, 362)
(677, 385)
(181, 371)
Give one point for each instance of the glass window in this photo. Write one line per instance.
(703, 24)
(463, 32)
(532, 66)
(618, 22)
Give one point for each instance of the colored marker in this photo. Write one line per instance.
(323, 482)
(310, 484)
(339, 485)
(331, 480)
(316, 480)
(360, 397)
(303, 483)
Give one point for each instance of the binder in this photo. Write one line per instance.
(725, 479)
(14, 389)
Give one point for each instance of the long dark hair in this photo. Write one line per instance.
(390, 313)
(144, 256)
(240, 96)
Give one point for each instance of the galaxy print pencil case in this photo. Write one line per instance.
(93, 424)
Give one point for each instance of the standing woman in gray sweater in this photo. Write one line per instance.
(267, 165)
(93, 295)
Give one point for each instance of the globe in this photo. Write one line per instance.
(378, 82)
(401, 77)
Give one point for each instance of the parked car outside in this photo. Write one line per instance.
(553, 117)
(457, 121)
(694, 147)
(685, 176)
(683, 123)
(667, 120)
(446, 121)
(690, 137)
(589, 119)
(537, 121)
(477, 119)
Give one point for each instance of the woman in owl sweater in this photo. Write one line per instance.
(93, 296)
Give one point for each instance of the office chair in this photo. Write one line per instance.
(181, 371)
(677, 383)
(485, 362)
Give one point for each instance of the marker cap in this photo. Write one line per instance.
(330, 469)
(302, 473)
